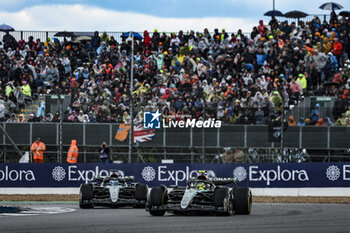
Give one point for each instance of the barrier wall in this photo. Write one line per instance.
(276, 175)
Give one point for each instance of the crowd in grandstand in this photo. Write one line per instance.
(237, 78)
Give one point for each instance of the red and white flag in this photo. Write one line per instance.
(143, 135)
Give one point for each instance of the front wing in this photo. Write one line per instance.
(119, 202)
(102, 197)
(191, 207)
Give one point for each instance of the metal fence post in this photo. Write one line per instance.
(84, 142)
(164, 143)
(57, 142)
(110, 140)
(245, 136)
(4, 140)
(191, 144)
(218, 140)
(328, 143)
(203, 144)
(300, 137)
(30, 138)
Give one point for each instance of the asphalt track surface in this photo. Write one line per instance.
(264, 218)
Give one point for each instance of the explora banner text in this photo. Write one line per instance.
(253, 175)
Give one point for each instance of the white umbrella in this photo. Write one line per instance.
(331, 6)
(83, 38)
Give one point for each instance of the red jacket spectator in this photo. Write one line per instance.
(166, 95)
(147, 38)
(261, 27)
(337, 47)
(320, 122)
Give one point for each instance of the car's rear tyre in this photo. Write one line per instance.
(141, 192)
(157, 199)
(242, 200)
(85, 196)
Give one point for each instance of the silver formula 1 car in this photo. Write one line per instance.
(115, 190)
(201, 195)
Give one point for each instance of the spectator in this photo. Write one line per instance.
(301, 122)
(296, 89)
(81, 116)
(302, 81)
(320, 122)
(239, 156)
(259, 116)
(316, 114)
(104, 153)
(73, 117)
(31, 118)
(261, 28)
(2, 112)
(337, 49)
(227, 156)
(21, 118)
(12, 119)
(277, 101)
(95, 41)
(327, 122)
(291, 121)
(26, 90)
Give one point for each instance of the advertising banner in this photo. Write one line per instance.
(265, 175)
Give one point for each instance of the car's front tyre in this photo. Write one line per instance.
(85, 196)
(141, 191)
(221, 199)
(156, 200)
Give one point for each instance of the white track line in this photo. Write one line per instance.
(40, 211)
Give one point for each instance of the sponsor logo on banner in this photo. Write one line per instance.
(240, 173)
(255, 174)
(333, 173)
(16, 175)
(75, 174)
(346, 172)
(58, 173)
(165, 175)
(148, 173)
(269, 176)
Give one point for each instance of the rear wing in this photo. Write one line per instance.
(127, 178)
(120, 179)
(223, 181)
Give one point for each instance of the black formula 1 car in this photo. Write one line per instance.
(201, 195)
(114, 190)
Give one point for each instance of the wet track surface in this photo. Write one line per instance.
(264, 218)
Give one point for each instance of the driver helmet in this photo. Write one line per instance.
(202, 177)
(114, 175)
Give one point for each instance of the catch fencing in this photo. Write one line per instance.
(188, 144)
